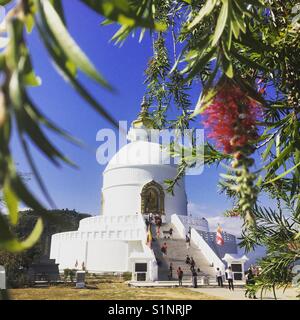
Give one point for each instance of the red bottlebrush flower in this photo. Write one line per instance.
(231, 118)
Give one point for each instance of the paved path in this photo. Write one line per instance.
(239, 294)
(174, 283)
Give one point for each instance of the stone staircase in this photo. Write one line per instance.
(176, 254)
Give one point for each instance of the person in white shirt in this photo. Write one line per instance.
(219, 277)
(230, 278)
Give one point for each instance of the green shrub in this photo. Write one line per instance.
(127, 276)
(69, 273)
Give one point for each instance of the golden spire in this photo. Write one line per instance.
(144, 120)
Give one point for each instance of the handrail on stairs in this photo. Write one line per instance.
(201, 244)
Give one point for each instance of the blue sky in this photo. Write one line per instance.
(124, 69)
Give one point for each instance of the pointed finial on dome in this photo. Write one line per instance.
(144, 109)
(144, 101)
(143, 119)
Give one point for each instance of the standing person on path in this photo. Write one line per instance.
(192, 263)
(164, 249)
(194, 278)
(158, 223)
(188, 242)
(171, 233)
(170, 271)
(180, 276)
(150, 217)
(219, 278)
(250, 283)
(147, 223)
(230, 278)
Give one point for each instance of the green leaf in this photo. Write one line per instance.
(278, 144)
(15, 91)
(268, 149)
(9, 241)
(12, 202)
(69, 46)
(205, 99)
(4, 2)
(58, 7)
(228, 68)
(34, 236)
(221, 23)
(30, 79)
(35, 171)
(200, 64)
(283, 174)
(27, 125)
(125, 13)
(249, 62)
(13, 51)
(29, 22)
(37, 116)
(121, 34)
(238, 17)
(235, 28)
(278, 161)
(205, 11)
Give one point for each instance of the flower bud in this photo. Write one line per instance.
(238, 155)
(235, 164)
(250, 219)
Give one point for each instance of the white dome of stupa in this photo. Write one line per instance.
(140, 153)
(134, 179)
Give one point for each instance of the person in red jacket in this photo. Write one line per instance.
(180, 276)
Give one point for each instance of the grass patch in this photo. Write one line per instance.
(107, 291)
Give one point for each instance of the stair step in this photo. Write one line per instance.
(176, 254)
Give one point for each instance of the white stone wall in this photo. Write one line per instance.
(107, 256)
(97, 255)
(103, 243)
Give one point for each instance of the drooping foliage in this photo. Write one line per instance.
(243, 55)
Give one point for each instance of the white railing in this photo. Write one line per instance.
(198, 240)
(107, 228)
(126, 234)
(98, 222)
(207, 251)
(179, 225)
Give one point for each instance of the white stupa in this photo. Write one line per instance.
(133, 186)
